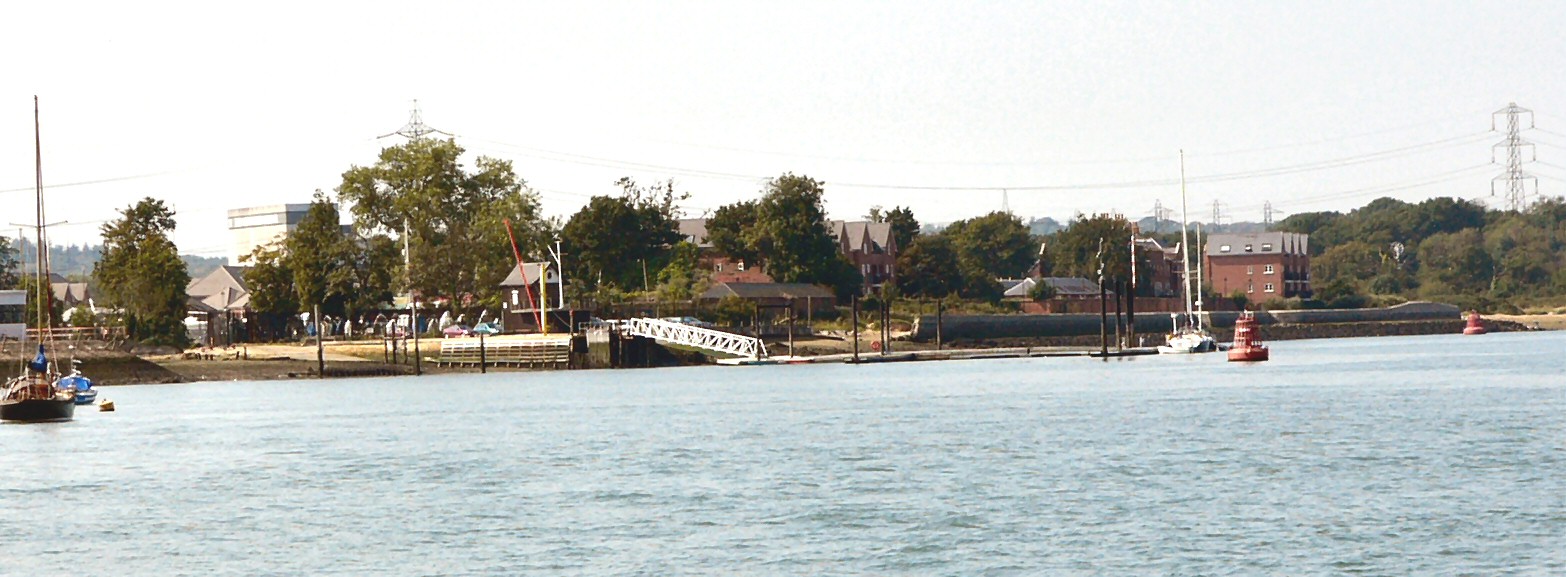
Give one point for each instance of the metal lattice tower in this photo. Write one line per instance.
(1267, 213)
(1159, 212)
(1005, 201)
(1217, 213)
(1516, 178)
(416, 128)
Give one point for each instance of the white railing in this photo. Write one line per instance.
(694, 336)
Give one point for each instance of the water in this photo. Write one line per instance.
(1436, 455)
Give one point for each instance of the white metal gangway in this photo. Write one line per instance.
(694, 336)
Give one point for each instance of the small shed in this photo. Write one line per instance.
(806, 299)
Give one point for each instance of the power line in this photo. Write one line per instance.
(1214, 154)
(1449, 176)
(1219, 177)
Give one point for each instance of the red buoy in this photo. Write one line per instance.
(1475, 326)
(1248, 346)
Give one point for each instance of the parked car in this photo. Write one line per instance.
(486, 329)
(457, 331)
(692, 321)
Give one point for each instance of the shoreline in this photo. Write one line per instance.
(274, 362)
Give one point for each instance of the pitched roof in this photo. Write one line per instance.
(749, 290)
(223, 277)
(1272, 242)
(69, 292)
(1016, 288)
(861, 235)
(531, 268)
(695, 231)
(1073, 286)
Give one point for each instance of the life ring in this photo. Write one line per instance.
(875, 345)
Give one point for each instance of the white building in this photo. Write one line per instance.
(261, 225)
(13, 306)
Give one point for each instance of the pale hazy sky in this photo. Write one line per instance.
(1072, 107)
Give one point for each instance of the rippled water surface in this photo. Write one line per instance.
(1391, 456)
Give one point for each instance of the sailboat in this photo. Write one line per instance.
(1189, 335)
(36, 395)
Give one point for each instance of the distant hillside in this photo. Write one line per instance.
(77, 261)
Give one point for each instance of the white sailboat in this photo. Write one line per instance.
(1189, 335)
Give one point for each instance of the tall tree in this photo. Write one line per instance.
(142, 274)
(454, 217)
(786, 230)
(681, 279)
(731, 230)
(10, 267)
(613, 237)
(1075, 250)
(992, 246)
(904, 226)
(927, 267)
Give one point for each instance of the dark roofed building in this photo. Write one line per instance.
(806, 299)
(870, 247)
(218, 302)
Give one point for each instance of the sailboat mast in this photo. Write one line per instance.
(42, 264)
(1185, 241)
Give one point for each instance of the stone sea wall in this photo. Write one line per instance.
(982, 327)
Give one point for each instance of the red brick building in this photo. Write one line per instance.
(869, 246)
(1262, 265)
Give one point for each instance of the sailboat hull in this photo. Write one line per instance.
(37, 410)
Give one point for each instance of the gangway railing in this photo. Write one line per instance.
(694, 336)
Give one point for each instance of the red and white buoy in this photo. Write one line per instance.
(1475, 326)
(1248, 346)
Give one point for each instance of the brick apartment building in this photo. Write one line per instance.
(1262, 265)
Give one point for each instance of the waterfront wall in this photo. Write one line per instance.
(1069, 325)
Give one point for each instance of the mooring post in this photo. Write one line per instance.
(320, 350)
(939, 304)
(418, 368)
(856, 328)
(483, 355)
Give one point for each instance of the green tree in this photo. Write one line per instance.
(1041, 291)
(271, 282)
(29, 283)
(612, 237)
(904, 226)
(786, 230)
(731, 230)
(682, 278)
(142, 274)
(1455, 263)
(1075, 250)
(993, 246)
(454, 218)
(928, 267)
(314, 253)
(1348, 267)
(10, 268)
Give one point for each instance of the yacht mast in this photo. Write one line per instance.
(1185, 242)
(45, 290)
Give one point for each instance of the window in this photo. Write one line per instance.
(1267, 269)
(1250, 287)
(1268, 288)
(1250, 269)
(1247, 248)
(740, 266)
(515, 301)
(1266, 247)
(720, 266)
(1224, 248)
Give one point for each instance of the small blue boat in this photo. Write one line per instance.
(78, 384)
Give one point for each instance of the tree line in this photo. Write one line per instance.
(424, 222)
